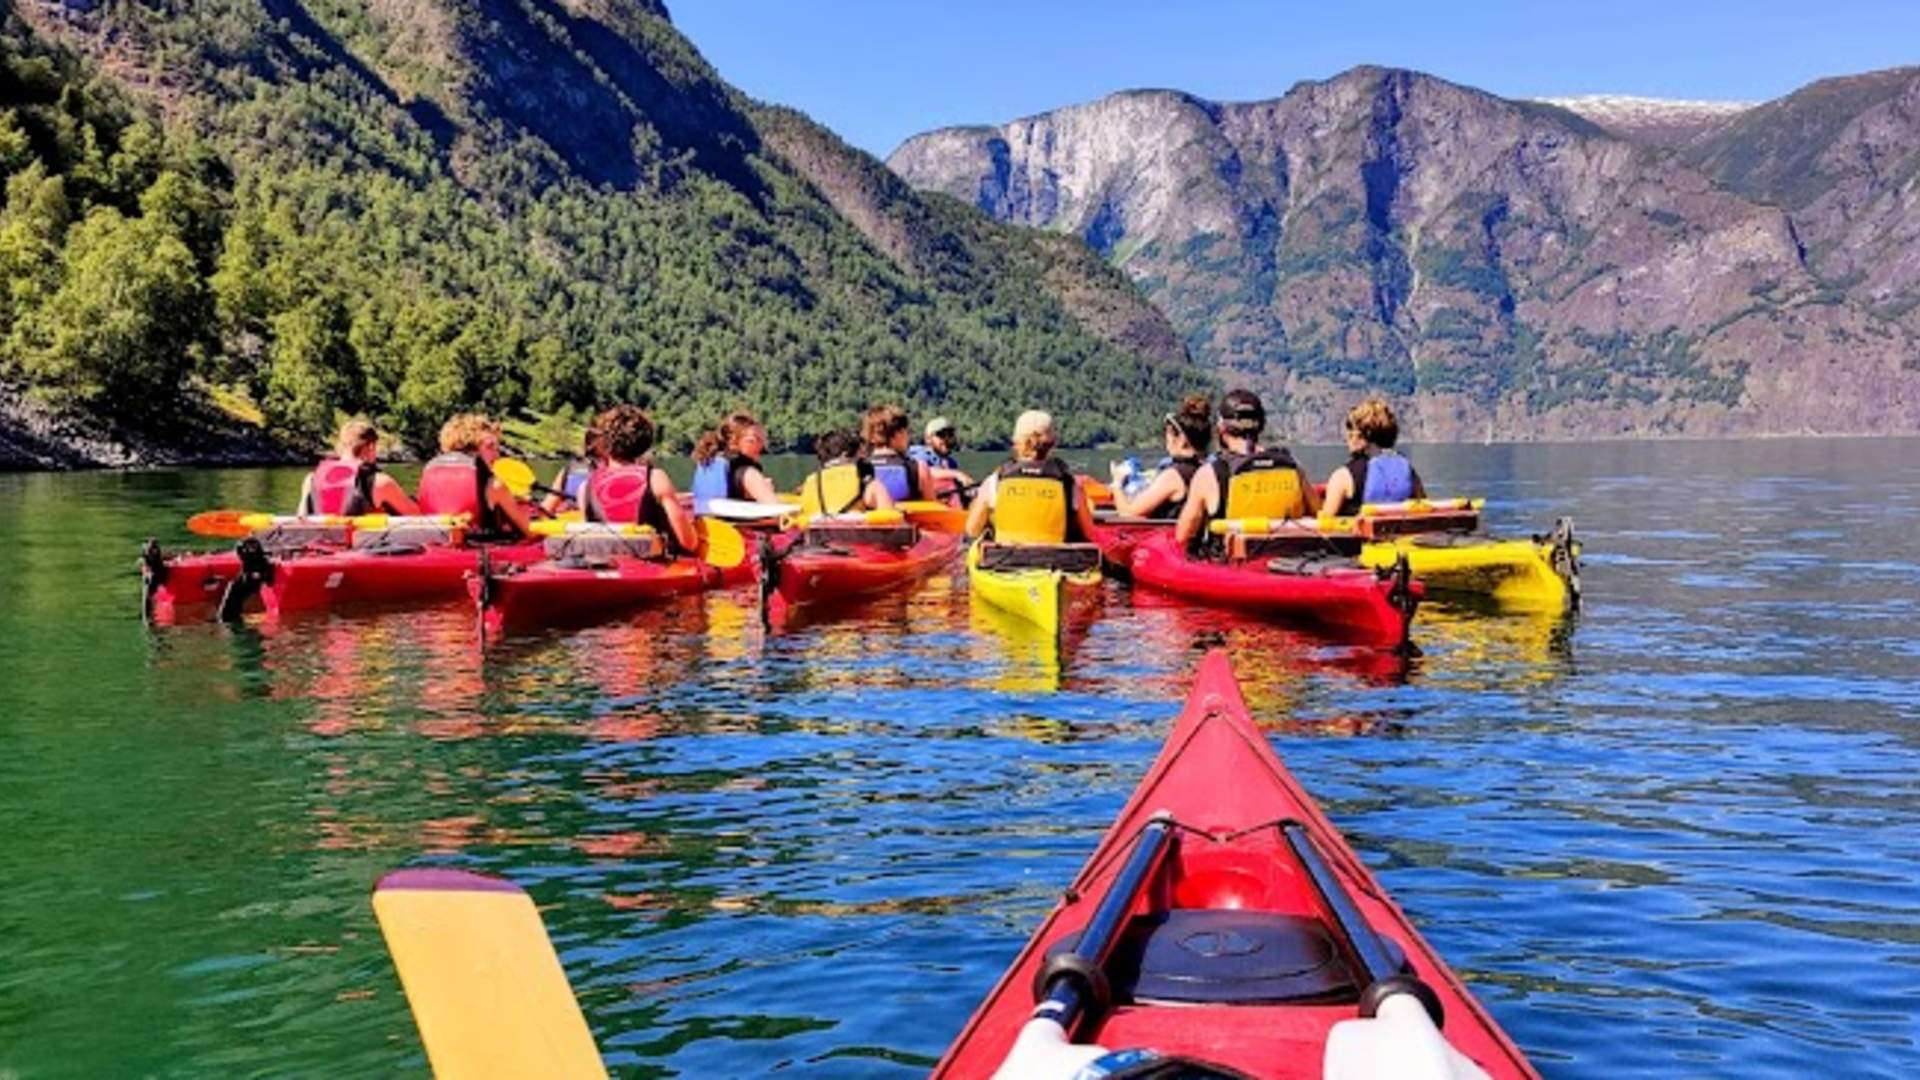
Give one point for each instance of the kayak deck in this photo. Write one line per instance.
(1230, 951)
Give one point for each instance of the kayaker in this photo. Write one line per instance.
(351, 482)
(1376, 473)
(726, 463)
(900, 477)
(1245, 480)
(628, 490)
(571, 481)
(844, 481)
(937, 453)
(1032, 499)
(1189, 431)
(461, 481)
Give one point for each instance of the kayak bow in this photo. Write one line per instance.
(1223, 919)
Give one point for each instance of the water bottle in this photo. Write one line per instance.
(1132, 479)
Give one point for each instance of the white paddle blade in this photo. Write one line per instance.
(747, 510)
(1042, 1051)
(1399, 1043)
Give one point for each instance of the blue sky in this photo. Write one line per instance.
(877, 71)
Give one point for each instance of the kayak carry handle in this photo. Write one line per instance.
(1072, 986)
(1384, 977)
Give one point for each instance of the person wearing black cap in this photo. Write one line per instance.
(1245, 480)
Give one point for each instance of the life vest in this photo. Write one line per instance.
(573, 482)
(621, 495)
(924, 453)
(1385, 478)
(1033, 503)
(835, 488)
(341, 487)
(455, 484)
(710, 482)
(1186, 467)
(899, 475)
(1263, 484)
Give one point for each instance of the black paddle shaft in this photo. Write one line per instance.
(1073, 985)
(1383, 976)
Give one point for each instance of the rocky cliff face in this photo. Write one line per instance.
(1505, 268)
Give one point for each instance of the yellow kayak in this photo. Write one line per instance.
(1033, 594)
(1530, 575)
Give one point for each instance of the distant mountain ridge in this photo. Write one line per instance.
(1586, 267)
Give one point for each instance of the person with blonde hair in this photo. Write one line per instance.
(726, 463)
(1376, 472)
(460, 479)
(351, 482)
(1033, 498)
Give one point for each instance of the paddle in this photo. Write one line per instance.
(224, 524)
(487, 992)
(721, 545)
(934, 516)
(748, 510)
(516, 474)
(1098, 494)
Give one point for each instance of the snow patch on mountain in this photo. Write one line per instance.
(1660, 121)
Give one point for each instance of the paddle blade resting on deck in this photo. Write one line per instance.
(486, 989)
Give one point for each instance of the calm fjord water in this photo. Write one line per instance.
(1679, 837)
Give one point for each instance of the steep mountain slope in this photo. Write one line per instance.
(420, 206)
(1506, 267)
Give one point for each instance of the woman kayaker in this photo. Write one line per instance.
(726, 463)
(1244, 480)
(628, 490)
(351, 482)
(899, 477)
(1376, 473)
(1189, 431)
(570, 483)
(461, 481)
(937, 451)
(844, 482)
(1032, 499)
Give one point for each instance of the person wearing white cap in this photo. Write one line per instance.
(1033, 498)
(937, 452)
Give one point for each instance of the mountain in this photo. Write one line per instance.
(1503, 268)
(410, 207)
(1653, 121)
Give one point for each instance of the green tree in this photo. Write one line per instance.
(312, 372)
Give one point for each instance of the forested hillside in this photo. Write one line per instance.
(412, 208)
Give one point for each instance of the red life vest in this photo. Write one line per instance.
(455, 484)
(340, 487)
(621, 495)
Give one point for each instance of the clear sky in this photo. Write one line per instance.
(877, 71)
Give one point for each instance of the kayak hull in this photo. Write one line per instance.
(816, 579)
(1517, 574)
(549, 594)
(1353, 603)
(1038, 597)
(361, 578)
(1118, 537)
(1230, 864)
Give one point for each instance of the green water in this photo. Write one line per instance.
(1673, 838)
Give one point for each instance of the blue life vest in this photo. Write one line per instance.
(710, 482)
(575, 479)
(925, 453)
(900, 476)
(1389, 479)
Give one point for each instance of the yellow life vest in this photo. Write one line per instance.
(1032, 503)
(834, 489)
(1264, 484)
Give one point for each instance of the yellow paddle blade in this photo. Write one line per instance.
(516, 474)
(721, 544)
(225, 524)
(1098, 493)
(486, 989)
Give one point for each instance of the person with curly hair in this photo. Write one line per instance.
(628, 489)
(1376, 472)
(460, 479)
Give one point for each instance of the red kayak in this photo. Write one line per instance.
(171, 584)
(556, 594)
(1336, 594)
(1223, 920)
(814, 576)
(1119, 536)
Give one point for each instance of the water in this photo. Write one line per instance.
(1679, 838)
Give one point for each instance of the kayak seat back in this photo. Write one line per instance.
(1065, 558)
(1414, 523)
(840, 533)
(602, 547)
(408, 538)
(1201, 956)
